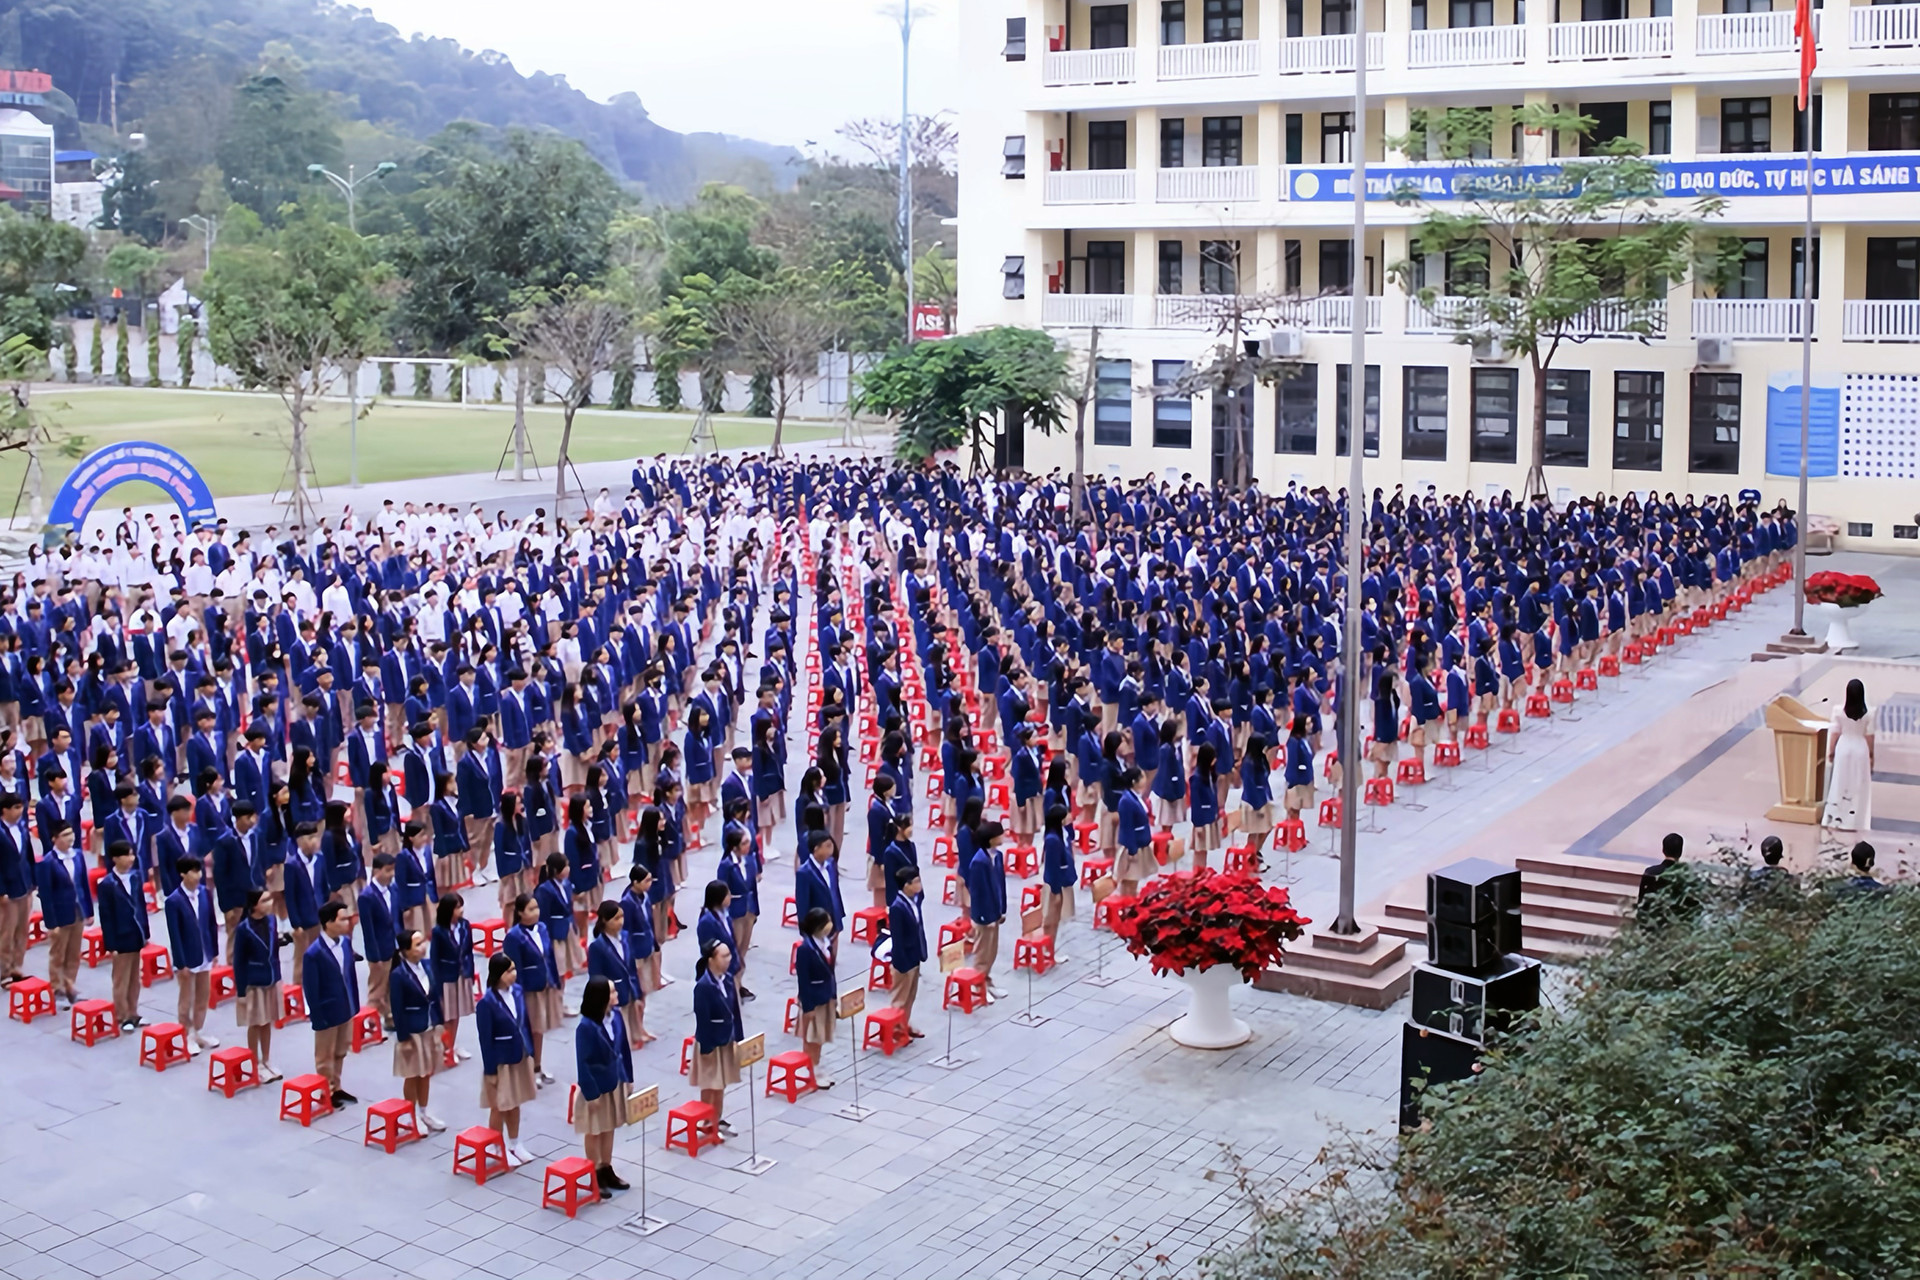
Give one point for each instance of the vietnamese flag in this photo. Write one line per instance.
(1803, 31)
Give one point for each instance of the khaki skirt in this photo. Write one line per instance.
(1170, 812)
(772, 811)
(449, 872)
(589, 901)
(1256, 818)
(603, 1114)
(703, 792)
(636, 1032)
(1027, 816)
(715, 1070)
(1133, 865)
(258, 1008)
(456, 999)
(417, 1056)
(509, 1087)
(876, 876)
(1205, 838)
(545, 1011)
(1300, 797)
(816, 1025)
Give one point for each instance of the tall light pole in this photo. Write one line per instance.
(209, 229)
(905, 20)
(350, 184)
(1353, 697)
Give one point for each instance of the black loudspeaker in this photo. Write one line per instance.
(1463, 948)
(1473, 914)
(1474, 1006)
(1429, 1057)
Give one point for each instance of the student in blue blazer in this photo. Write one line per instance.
(716, 922)
(506, 1053)
(987, 899)
(1134, 833)
(716, 1026)
(556, 912)
(814, 965)
(123, 928)
(512, 852)
(416, 1014)
(194, 938)
(333, 995)
(380, 933)
(641, 945)
(305, 877)
(609, 957)
(1057, 873)
(603, 1067)
(256, 981)
(16, 885)
(531, 948)
(816, 884)
(907, 929)
(452, 968)
(736, 871)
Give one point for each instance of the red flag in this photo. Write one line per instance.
(1803, 32)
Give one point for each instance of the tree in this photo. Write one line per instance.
(122, 360)
(287, 313)
(130, 267)
(183, 344)
(779, 327)
(946, 394)
(1231, 369)
(273, 132)
(69, 353)
(1528, 258)
(1731, 1096)
(152, 334)
(37, 257)
(713, 237)
(21, 426)
(576, 331)
(96, 352)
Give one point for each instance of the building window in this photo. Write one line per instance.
(1220, 266)
(1290, 266)
(1659, 128)
(1747, 6)
(1496, 415)
(1470, 13)
(1343, 397)
(1172, 415)
(1893, 122)
(1173, 21)
(1908, 531)
(1800, 123)
(1799, 282)
(1424, 428)
(1336, 265)
(1173, 267)
(1336, 132)
(1224, 20)
(1173, 144)
(1220, 141)
(1746, 125)
(1294, 145)
(1296, 413)
(1296, 19)
(1602, 10)
(1336, 17)
(1016, 50)
(1639, 414)
(1013, 162)
(1565, 417)
(1716, 424)
(1893, 268)
(1106, 266)
(1858, 529)
(1750, 281)
(1108, 25)
(1609, 122)
(1106, 144)
(1113, 403)
(1013, 278)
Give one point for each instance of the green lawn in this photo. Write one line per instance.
(239, 441)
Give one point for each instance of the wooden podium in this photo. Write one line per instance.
(1800, 758)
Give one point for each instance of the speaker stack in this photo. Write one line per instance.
(1473, 984)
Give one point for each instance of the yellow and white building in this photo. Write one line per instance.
(1131, 165)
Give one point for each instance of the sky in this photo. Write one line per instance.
(787, 71)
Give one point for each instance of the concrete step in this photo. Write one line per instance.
(1369, 969)
(1548, 931)
(1612, 871)
(1548, 907)
(1578, 890)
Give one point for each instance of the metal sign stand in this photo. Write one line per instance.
(755, 1163)
(642, 1223)
(1029, 1018)
(949, 1062)
(1099, 977)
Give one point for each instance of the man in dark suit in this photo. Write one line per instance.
(333, 995)
(123, 931)
(378, 917)
(16, 886)
(907, 927)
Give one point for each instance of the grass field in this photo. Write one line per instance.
(239, 441)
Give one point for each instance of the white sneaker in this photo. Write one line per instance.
(542, 1077)
(193, 1047)
(481, 877)
(206, 1041)
(520, 1154)
(434, 1123)
(461, 1055)
(268, 1075)
(571, 1010)
(990, 996)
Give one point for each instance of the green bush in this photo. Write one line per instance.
(122, 359)
(96, 356)
(183, 344)
(423, 382)
(622, 396)
(152, 330)
(69, 353)
(386, 378)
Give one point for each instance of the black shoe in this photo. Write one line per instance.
(747, 995)
(134, 1023)
(611, 1181)
(341, 1098)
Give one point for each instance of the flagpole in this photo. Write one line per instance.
(1803, 28)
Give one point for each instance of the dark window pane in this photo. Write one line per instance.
(1609, 122)
(1296, 418)
(1220, 266)
(1800, 122)
(1224, 20)
(1108, 26)
(1336, 265)
(1470, 13)
(1336, 132)
(1746, 125)
(1893, 268)
(1336, 17)
(1424, 426)
(1013, 278)
(1106, 266)
(1173, 22)
(1172, 415)
(1173, 144)
(1797, 287)
(1639, 418)
(1173, 269)
(1496, 415)
(1715, 428)
(1106, 144)
(1751, 282)
(1566, 417)
(1016, 50)
(1893, 122)
(1659, 128)
(1013, 163)
(1113, 403)
(1343, 395)
(1290, 263)
(1220, 141)
(1295, 154)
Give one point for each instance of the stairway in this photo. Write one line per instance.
(1369, 969)
(1569, 904)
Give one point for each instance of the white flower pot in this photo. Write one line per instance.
(1839, 623)
(1208, 1022)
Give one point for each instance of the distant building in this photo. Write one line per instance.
(78, 193)
(26, 159)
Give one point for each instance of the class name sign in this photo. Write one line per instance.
(1876, 173)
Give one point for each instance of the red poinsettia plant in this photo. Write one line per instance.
(1199, 919)
(1848, 590)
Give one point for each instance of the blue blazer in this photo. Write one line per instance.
(414, 1010)
(302, 895)
(711, 927)
(532, 954)
(601, 1059)
(500, 1020)
(232, 871)
(123, 919)
(450, 953)
(583, 861)
(815, 885)
(909, 932)
(256, 958)
(190, 928)
(608, 959)
(639, 920)
(332, 996)
(1136, 832)
(815, 969)
(378, 935)
(987, 886)
(1056, 862)
(716, 1012)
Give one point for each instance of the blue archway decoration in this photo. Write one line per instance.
(122, 463)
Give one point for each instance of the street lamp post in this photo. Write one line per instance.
(209, 229)
(350, 184)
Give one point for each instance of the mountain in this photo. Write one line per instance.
(115, 62)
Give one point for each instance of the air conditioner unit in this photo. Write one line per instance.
(1490, 351)
(1286, 344)
(1715, 352)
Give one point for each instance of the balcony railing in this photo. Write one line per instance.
(1208, 186)
(1088, 66)
(1863, 321)
(1305, 55)
(1616, 38)
(1884, 26)
(1207, 61)
(1333, 314)
(1721, 33)
(1089, 186)
(1613, 319)
(1467, 46)
(1755, 319)
(1108, 310)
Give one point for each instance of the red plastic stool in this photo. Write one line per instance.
(569, 1184)
(793, 957)
(221, 987)
(1293, 834)
(1537, 706)
(1562, 691)
(1105, 909)
(1092, 869)
(1242, 858)
(31, 998)
(1086, 831)
(36, 929)
(92, 1021)
(1476, 737)
(232, 1069)
(1609, 666)
(1685, 623)
(1326, 769)
(306, 1098)
(1411, 773)
(1632, 654)
(1023, 860)
(1588, 678)
(944, 854)
(479, 1152)
(161, 1045)
(1029, 897)
(1033, 951)
(950, 890)
(1379, 791)
(791, 1073)
(293, 1006)
(879, 975)
(1446, 755)
(1330, 812)
(390, 1124)
(867, 924)
(155, 963)
(886, 1028)
(966, 988)
(489, 936)
(366, 1028)
(1509, 719)
(692, 1125)
(1162, 842)
(790, 1024)
(955, 931)
(789, 913)
(93, 947)
(686, 1056)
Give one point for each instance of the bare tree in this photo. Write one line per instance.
(933, 142)
(1237, 362)
(577, 332)
(778, 327)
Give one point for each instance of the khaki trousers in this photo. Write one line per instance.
(63, 958)
(302, 939)
(126, 985)
(906, 988)
(378, 993)
(193, 988)
(330, 1051)
(986, 948)
(479, 842)
(13, 933)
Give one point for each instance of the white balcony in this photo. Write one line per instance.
(1218, 185)
(1724, 33)
(1449, 315)
(1467, 46)
(1884, 26)
(1210, 61)
(1307, 55)
(1330, 314)
(1753, 319)
(1088, 186)
(1088, 66)
(1863, 321)
(1617, 38)
(1108, 310)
